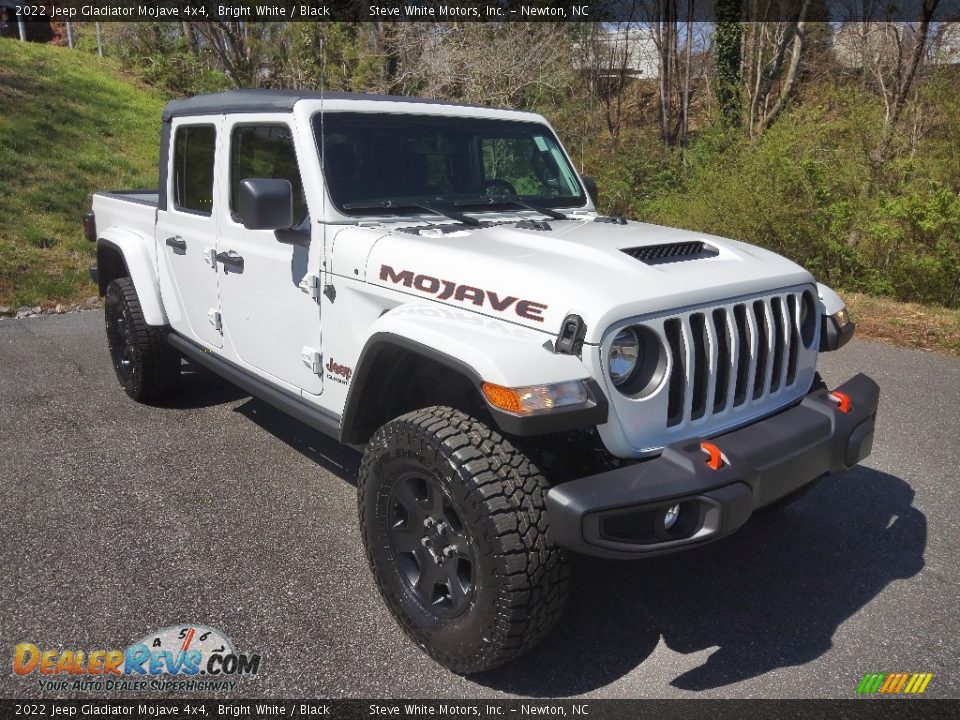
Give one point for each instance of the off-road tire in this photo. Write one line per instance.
(520, 578)
(147, 367)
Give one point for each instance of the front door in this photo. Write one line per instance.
(271, 310)
(187, 233)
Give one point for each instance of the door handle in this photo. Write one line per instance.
(230, 258)
(177, 242)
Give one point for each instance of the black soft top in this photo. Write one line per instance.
(234, 101)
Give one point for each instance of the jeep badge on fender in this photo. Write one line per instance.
(431, 284)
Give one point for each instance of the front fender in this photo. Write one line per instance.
(136, 249)
(482, 349)
(496, 351)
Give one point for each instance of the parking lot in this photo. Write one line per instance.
(121, 519)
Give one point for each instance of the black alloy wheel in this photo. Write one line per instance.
(432, 549)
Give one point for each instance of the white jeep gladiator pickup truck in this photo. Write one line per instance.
(431, 283)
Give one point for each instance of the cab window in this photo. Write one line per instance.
(194, 149)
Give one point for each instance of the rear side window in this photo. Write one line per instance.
(265, 151)
(194, 149)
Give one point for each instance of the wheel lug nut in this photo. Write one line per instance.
(425, 541)
(448, 551)
(429, 522)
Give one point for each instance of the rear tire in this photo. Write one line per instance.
(455, 529)
(147, 367)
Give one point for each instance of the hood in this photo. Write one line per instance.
(536, 273)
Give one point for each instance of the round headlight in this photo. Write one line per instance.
(637, 361)
(624, 355)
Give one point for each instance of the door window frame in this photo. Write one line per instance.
(231, 215)
(172, 170)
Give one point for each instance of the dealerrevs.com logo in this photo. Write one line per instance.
(176, 658)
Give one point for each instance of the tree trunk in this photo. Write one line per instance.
(728, 41)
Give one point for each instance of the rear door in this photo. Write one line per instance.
(271, 309)
(187, 231)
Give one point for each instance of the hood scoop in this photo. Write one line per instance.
(672, 252)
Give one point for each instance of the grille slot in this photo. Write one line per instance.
(778, 344)
(701, 366)
(723, 359)
(742, 354)
(733, 357)
(677, 379)
(672, 252)
(793, 322)
(761, 376)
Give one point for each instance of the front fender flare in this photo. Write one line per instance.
(481, 349)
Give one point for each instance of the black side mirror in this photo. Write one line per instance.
(265, 204)
(591, 185)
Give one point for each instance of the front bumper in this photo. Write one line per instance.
(620, 513)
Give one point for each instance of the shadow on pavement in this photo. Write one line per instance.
(312, 444)
(771, 595)
(202, 388)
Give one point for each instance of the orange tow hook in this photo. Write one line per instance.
(715, 459)
(842, 400)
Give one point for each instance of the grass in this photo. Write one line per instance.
(70, 124)
(905, 324)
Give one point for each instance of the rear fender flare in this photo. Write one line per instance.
(139, 261)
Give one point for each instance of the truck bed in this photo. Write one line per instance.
(141, 197)
(128, 209)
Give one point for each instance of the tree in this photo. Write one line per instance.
(770, 62)
(728, 38)
(674, 64)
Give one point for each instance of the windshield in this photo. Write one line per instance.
(384, 164)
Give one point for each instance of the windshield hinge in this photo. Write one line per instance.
(213, 315)
(210, 257)
(311, 285)
(313, 359)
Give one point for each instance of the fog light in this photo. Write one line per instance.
(670, 517)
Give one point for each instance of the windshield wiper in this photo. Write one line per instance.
(399, 204)
(512, 200)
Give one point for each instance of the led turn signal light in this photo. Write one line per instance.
(536, 398)
(715, 459)
(504, 398)
(842, 400)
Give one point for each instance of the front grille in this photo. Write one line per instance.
(732, 356)
(672, 252)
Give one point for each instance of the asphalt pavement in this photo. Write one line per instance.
(120, 519)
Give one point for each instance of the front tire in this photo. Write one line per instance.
(147, 367)
(455, 529)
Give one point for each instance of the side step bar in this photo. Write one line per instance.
(326, 422)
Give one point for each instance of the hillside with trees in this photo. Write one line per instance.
(836, 144)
